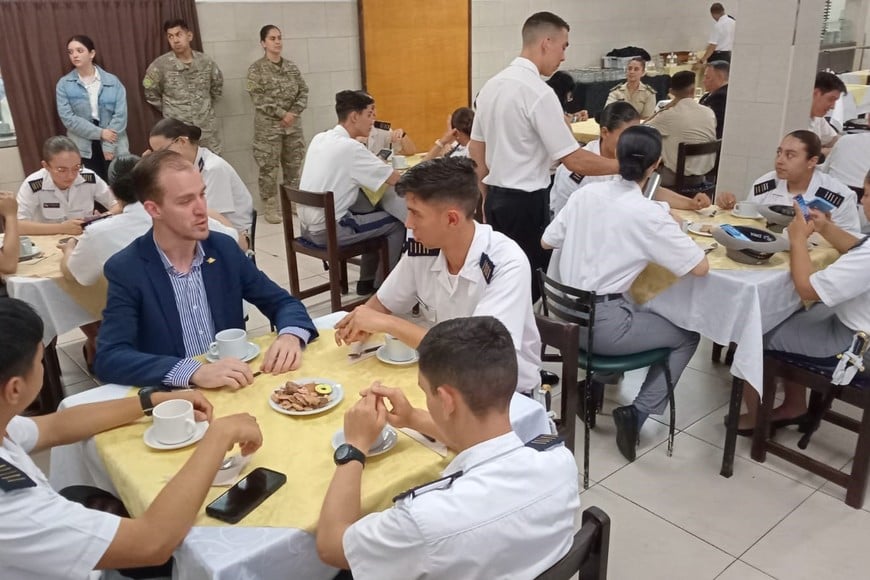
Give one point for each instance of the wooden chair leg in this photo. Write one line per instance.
(716, 354)
(384, 260)
(343, 271)
(293, 271)
(727, 469)
(729, 354)
(335, 287)
(590, 414)
(762, 419)
(858, 479)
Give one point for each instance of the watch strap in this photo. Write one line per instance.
(347, 453)
(145, 400)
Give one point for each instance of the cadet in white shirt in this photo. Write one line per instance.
(224, 190)
(519, 132)
(849, 160)
(58, 198)
(83, 259)
(47, 536)
(635, 231)
(453, 267)
(827, 89)
(721, 36)
(797, 173)
(336, 161)
(842, 295)
(503, 510)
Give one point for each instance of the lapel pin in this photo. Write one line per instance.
(210, 260)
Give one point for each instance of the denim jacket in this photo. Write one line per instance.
(74, 109)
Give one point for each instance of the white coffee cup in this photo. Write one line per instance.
(398, 351)
(173, 421)
(229, 343)
(400, 162)
(746, 208)
(25, 246)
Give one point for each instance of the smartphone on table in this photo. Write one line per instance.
(249, 492)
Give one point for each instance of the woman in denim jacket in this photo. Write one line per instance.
(92, 104)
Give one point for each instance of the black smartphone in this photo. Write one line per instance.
(383, 125)
(385, 154)
(241, 499)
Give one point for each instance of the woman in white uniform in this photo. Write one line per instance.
(635, 232)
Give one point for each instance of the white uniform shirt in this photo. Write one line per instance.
(825, 131)
(42, 534)
(509, 516)
(103, 239)
(769, 190)
(722, 34)
(849, 160)
(338, 163)
(845, 287)
(39, 199)
(425, 279)
(521, 121)
(566, 182)
(224, 190)
(609, 232)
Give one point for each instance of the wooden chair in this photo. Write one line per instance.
(685, 150)
(564, 337)
(800, 371)
(334, 255)
(588, 554)
(578, 306)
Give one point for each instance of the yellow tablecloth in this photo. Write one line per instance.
(91, 298)
(656, 279)
(375, 196)
(296, 446)
(586, 131)
(858, 92)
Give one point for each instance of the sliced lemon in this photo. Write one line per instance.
(323, 388)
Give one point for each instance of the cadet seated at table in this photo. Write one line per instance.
(503, 509)
(641, 96)
(173, 288)
(636, 231)
(841, 293)
(453, 267)
(454, 142)
(797, 174)
(47, 536)
(60, 196)
(9, 250)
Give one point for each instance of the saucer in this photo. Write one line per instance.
(198, 433)
(35, 252)
(388, 442)
(253, 351)
(382, 356)
(745, 216)
(695, 228)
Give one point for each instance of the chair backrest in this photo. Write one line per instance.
(253, 233)
(320, 200)
(588, 554)
(685, 150)
(571, 305)
(564, 337)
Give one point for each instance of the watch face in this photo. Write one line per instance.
(346, 452)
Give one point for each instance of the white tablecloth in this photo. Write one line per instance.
(848, 107)
(732, 306)
(59, 312)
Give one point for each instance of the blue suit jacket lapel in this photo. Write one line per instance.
(159, 280)
(213, 277)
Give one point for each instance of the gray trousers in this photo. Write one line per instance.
(621, 329)
(358, 227)
(390, 203)
(813, 333)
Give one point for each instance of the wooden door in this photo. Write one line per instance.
(416, 62)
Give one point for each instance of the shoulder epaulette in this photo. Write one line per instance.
(545, 442)
(35, 185)
(200, 164)
(415, 249)
(486, 267)
(764, 187)
(830, 196)
(89, 177)
(577, 178)
(12, 478)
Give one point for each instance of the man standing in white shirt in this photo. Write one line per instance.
(337, 161)
(519, 132)
(826, 91)
(721, 36)
(46, 536)
(502, 509)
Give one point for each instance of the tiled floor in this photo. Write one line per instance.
(672, 518)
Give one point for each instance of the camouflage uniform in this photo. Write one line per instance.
(276, 89)
(643, 99)
(187, 92)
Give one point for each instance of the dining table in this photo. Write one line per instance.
(277, 538)
(734, 303)
(852, 104)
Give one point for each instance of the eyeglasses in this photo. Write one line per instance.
(66, 170)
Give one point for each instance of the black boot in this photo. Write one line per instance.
(625, 419)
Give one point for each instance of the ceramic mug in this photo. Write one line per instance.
(25, 246)
(398, 351)
(746, 208)
(229, 343)
(173, 421)
(400, 162)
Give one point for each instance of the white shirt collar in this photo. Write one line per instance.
(525, 63)
(483, 451)
(479, 245)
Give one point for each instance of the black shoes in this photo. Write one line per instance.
(802, 421)
(365, 287)
(548, 378)
(625, 419)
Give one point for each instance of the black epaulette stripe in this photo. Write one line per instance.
(830, 196)
(764, 187)
(35, 185)
(89, 177)
(200, 164)
(577, 178)
(415, 249)
(487, 267)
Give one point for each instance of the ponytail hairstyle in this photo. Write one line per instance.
(617, 114)
(638, 149)
(173, 129)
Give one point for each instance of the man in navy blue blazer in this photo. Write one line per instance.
(173, 288)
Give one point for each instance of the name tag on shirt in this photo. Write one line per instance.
(51, 205)
(12, 478)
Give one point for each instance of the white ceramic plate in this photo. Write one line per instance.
(153, 443)
(695, 228)
(335, 397)
(385, 445)
(752, 216)
(382, 356)
(253, 351)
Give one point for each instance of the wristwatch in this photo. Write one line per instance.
(145, 400)
(347, 453)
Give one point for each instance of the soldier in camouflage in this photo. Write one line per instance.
(183, 84)
(280, 95)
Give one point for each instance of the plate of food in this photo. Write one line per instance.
(701, 229)
(306, 396)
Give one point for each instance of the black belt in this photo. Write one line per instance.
(608, 297)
